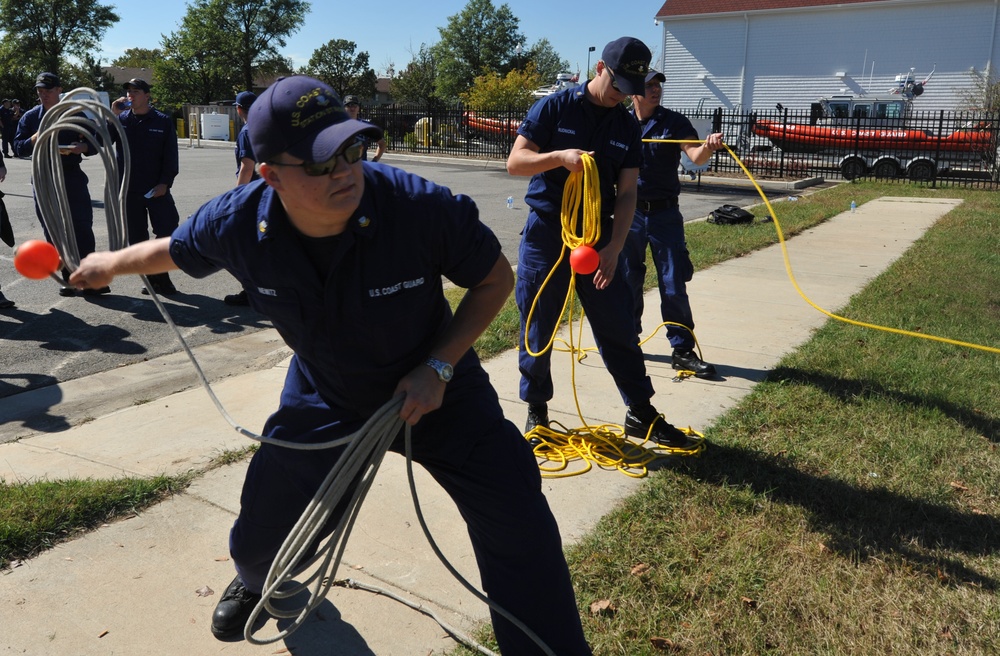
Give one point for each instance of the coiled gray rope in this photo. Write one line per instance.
(364, 451)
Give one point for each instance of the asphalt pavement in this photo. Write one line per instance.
(147, 584)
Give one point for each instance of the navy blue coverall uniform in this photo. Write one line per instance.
(152, 143)
(360, 310)
(563, 120)
(659, 223)
(77, 193)
(244, 150)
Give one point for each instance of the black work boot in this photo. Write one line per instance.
(538, 415)
(688, 360)
(233, 610)
(644, 421)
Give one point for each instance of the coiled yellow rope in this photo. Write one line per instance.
(606, 445)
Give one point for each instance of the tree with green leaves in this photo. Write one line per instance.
(547, 61)
(138, 58)
(222, 46)
(481, 38)
(337, 64)
(417, 83)
(198, 68)
(47, 32)
(261, 28)
(512, 91)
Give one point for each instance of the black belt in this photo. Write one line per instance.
(656, 205)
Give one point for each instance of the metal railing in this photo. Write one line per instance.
(935, 148)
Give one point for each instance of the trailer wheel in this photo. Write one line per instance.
(920, 171)
(885, 169)
(853, 167)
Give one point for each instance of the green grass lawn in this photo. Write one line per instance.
(848, 505)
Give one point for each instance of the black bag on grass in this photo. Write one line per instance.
(730, 215)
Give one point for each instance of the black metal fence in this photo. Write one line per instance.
(936, 148)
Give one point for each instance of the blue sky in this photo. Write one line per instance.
(391, 30)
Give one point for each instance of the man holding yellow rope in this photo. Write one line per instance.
(559, 131)
(658, 221)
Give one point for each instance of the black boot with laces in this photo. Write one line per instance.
(643, 421)
(233, 610)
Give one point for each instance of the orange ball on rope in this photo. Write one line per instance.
(584, 259)
(36, 259)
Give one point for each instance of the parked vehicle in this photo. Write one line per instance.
(875, 134)
(563, 81)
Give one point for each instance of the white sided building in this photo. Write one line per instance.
(754, 54)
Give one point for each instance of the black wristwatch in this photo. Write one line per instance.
(444, 370)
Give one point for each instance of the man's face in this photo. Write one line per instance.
(322, 198)
(138, 98)
(352, 110)
(606, 90)
(49, 97)
(652, 97)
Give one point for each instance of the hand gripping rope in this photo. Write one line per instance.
(364, 450)
(606, 445)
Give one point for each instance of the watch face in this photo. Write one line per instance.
(446, 372)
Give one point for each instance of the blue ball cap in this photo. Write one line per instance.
(303, 117)
(245, 99)
(628, 58)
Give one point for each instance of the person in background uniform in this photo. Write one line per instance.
(152, 143)
(334, 250)
(658, 221)
(48, 87)
(353, 107)
(8, 125)
(5, 303)
(245, 169)
(558, 130)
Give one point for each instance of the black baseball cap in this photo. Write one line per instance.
(136, 83)
(304, 117)
(351, 100)
(47, 81)
(628, 58)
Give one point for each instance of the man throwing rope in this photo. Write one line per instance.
(340, 254)
(558, 131)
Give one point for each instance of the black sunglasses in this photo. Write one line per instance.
(614, 83)
(351, 155)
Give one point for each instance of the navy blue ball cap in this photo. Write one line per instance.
(655, 75)
(628, 58)
(47, 81)
(137, 83)
(303, 117)
(245, 99)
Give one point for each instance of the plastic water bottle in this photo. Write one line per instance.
(510, 202)
(854, 206)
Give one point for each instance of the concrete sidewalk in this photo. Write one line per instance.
(138, 586)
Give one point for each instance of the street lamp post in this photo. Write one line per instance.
(589, 50)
